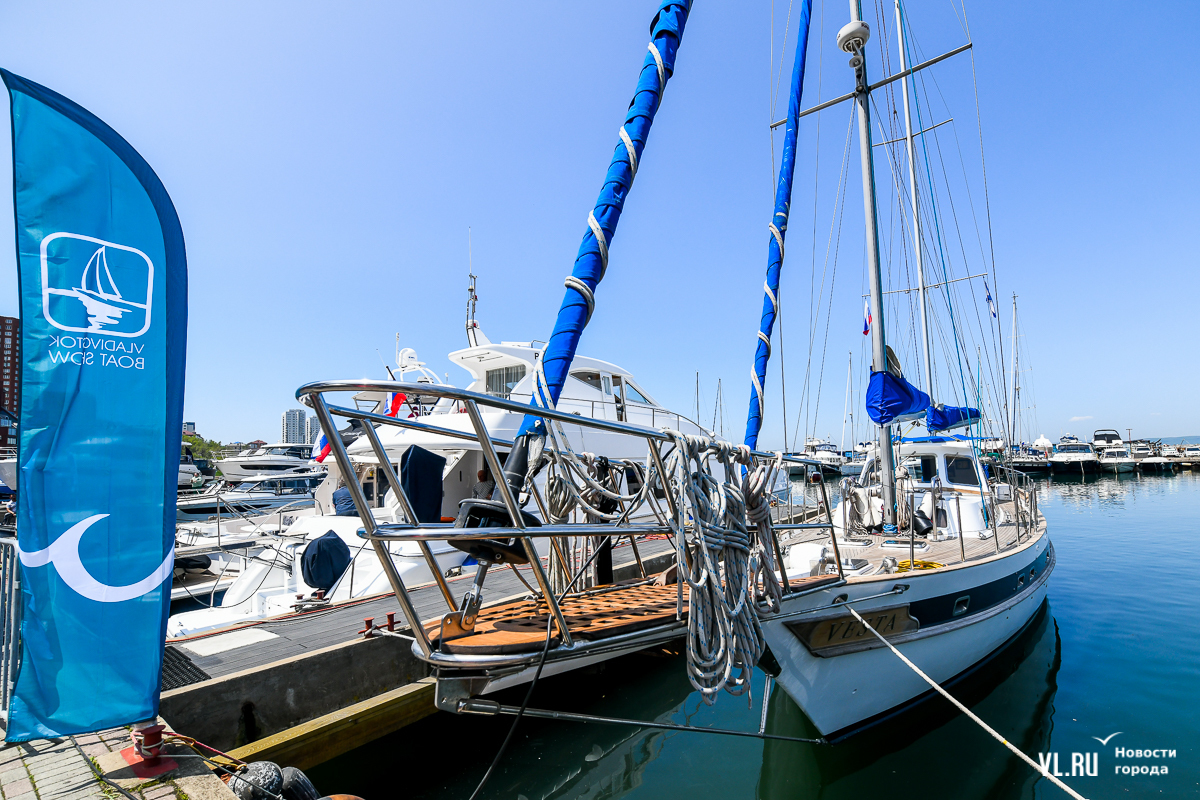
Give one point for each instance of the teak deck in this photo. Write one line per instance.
(520, 626)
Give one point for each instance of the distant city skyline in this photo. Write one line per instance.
(312, 429)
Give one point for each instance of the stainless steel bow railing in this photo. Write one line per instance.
(379, 534)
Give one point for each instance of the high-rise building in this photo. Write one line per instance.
(292, 426)
(10, 377)
(189, 429)
(313, 430)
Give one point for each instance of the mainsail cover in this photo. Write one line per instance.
(778, 230)
(947, 418)
(890, 399)
(666, 30)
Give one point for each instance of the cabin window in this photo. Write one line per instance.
(606, 382)
(502, 380)
(634, 396)
(961, 470)
(921, 468)
(592, 379)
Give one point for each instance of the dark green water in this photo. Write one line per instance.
(1115, 648)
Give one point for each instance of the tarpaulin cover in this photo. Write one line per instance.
(666, 30)
(890, 399)
(947, 418)
(778, 234)
(324, 561)
(103, 286)
(421, 480)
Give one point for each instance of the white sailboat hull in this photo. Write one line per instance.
(840, 693)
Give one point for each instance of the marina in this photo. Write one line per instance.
(561, 567)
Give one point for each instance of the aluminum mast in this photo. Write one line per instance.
(852, 39)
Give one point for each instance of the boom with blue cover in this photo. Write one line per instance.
(947, 418)
(778, 229)
(891, 399)
(666, 30)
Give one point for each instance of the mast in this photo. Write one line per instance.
(846, 405)
(852, 39)
(1013, 431)
(916, 212)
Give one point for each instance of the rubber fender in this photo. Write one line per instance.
(261, 780)
(297, 786)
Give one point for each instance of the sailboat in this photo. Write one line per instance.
(743, 579)
(943, 559)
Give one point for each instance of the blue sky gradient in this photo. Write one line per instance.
(327, 160)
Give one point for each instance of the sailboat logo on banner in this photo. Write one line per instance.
(93, 286)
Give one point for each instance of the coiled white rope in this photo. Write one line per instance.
(724, 639)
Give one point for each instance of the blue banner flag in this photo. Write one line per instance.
(103, 284)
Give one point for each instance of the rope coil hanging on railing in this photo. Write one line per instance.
(724, 564)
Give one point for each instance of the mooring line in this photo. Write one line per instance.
(967, 711)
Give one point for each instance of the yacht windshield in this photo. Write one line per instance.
(961, 470)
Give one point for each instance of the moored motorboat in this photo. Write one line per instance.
(1073, 457)
(1117, 461)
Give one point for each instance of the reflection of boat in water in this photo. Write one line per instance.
(1013, 691)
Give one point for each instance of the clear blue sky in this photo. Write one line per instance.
(327, 159)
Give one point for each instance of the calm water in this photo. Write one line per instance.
(1116, 648)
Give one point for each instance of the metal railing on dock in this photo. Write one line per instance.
(10, 620)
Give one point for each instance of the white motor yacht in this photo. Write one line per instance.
(251, 495)
(189, 473)
(596, 389)
(1073, 457)
(1190, 457)
(1117, 460)
(825, 452)
(273, 459)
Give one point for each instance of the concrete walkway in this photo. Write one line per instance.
(52, 769)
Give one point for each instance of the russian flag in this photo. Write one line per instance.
(321, 449)
(866, 317)
(394, 402)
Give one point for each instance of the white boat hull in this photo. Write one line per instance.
(842, 692)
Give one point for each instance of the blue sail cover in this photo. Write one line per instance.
(103, 285)
(778, 229)
(666, 30)
(892, 399)
(947, 418)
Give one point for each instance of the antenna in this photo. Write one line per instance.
(472, 298)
